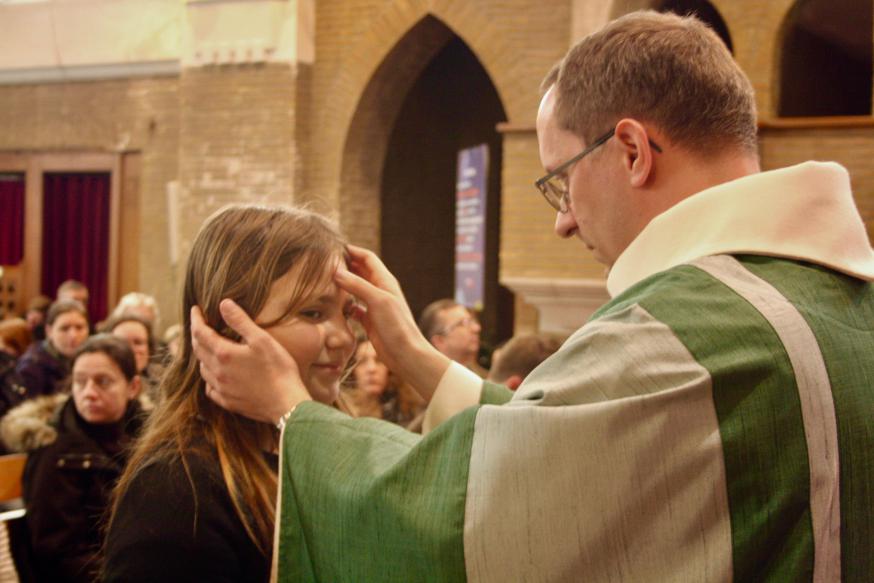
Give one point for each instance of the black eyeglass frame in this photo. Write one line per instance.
(548, 190)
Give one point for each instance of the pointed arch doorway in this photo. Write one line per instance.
(430, 98)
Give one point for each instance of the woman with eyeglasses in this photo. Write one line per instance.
(77, 448)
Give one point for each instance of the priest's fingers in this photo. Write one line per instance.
(204, 339)
(257, 378)
(369, 266)
(393, 331)
(240, 322)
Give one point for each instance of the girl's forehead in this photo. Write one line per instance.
(286, 289)
(324, 285)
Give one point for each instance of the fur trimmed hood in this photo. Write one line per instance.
(31, 425)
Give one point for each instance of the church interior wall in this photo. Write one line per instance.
(312, 131)
(116, 116)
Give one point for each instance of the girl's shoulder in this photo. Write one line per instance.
(175, 522)
(192, 472)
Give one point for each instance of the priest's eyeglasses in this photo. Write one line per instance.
(554, 186)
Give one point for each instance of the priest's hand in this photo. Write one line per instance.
(256, 378)
(389, 323)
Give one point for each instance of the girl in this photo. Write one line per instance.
(197, 501)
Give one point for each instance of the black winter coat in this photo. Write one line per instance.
(67, 482)
(43, 369)
(12, 389)
(161, 532)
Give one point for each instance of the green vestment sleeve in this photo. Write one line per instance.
(495, 394)
(365, 500)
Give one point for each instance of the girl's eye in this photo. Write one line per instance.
(312, 314)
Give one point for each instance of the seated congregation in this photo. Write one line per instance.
(198, 496)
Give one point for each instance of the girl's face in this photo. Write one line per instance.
(317, 335)
(137, 336)
(67, 332)
(100, 390)
(371, 375)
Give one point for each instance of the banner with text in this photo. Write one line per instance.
(470, 225)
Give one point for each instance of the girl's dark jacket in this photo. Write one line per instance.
(70, 470)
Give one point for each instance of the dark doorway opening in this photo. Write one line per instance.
(452, 105)
(825, 69)
(702, 10)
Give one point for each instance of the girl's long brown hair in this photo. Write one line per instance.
(239, 252)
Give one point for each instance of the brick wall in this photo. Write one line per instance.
(133, 115)
(360, 85)
(516, 41)
(852, 147)
(236, 140)
(318, 133)
(224, 134)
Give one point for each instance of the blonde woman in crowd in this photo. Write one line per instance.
(138, 332)
(197, 502)
(376, 392)
(138, 304)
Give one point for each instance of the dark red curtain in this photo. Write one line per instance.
(75, 241)
(11, 219)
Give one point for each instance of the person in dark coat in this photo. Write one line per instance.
(12, 389)
(46, 365)
(15, 337)
(37, 308)
(76, 451)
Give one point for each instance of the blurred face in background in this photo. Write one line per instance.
(35, 318)
(371, 375)
(135, 334)
(68, 331)
(15, 336)
(79, 294)
(459, 334)
(141, 311)
(100, 390)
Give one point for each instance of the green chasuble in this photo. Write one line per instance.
(687, 452)
(394, 507)
(713, 422)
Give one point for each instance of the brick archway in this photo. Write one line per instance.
(375, 77)
(823, 61)
(366, 142)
